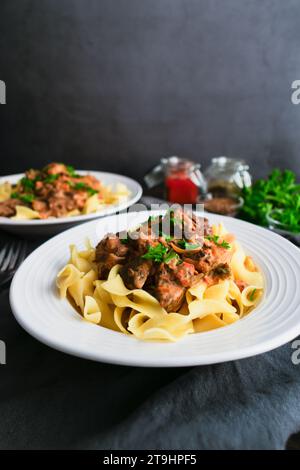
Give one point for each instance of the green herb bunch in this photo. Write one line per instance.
(278, 193)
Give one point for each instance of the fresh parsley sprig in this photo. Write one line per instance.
(71, 171)
(156, 253)
(278, 193)
(215, 240)
(170, 256)
(26, 198)
(51, 178)
(187, 245)
(27, 183)
(83, 187)
(161, 254)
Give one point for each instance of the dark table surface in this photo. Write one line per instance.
(52, 400)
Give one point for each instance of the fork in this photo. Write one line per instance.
(11, 256)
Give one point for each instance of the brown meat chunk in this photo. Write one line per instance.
(110, 244)
(135, 273)
(56, 168)
(8, 207)
(109, 262)
(167, 290)
(184, 273)
(109, 252)
(60, 206)
(39, 206)
(209, 257)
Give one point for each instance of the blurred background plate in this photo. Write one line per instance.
(43, 228)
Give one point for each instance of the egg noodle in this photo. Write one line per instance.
(110, 304)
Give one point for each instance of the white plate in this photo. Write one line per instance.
(37, 307)
(53, 226)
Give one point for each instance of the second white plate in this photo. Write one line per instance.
(52, 226)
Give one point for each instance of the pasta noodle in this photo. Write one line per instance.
(23, 212)
(110, 304)
(5, 191)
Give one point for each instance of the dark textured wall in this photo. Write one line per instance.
(116, 84)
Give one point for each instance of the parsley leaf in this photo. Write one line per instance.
(186, 245)
(51, 178)
(215, 240)
(27, 183)
(85, 187)
(156, 253)
(251, 296)
(26, 198)
(71, 170)
(171, 255)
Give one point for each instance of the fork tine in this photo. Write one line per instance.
(23, 254)
(2, 254)
(15, 256)
(19, 256)
(8, 257)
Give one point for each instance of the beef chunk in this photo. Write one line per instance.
(209, 257)
(135, 273)
(8, 207)
(60, 206)
(184, 274)
(109, 252)
(167, 290)
(110, 244)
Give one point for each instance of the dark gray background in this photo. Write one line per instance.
(116, 84)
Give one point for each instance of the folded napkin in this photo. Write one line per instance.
(51, 400)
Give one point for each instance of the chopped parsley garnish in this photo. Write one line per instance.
(80, 186)
(171, 255)
(187, 246)
(251, 296)
(85, 187)
(92, 191)
(156, 253)
(27, 183)
(215, 240)
(161, 254)
(71, 171)
(51, 178)
(26, 198)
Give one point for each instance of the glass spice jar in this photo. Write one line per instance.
(183, 180)
(227, 176)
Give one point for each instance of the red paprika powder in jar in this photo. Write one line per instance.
(183, 180)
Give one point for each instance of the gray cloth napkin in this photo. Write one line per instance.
(51, 400)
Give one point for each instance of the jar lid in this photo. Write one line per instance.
(226, 162)
(180, 164)
(157, 174)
